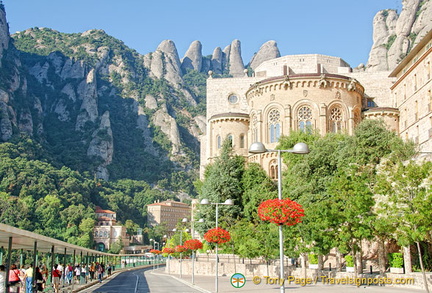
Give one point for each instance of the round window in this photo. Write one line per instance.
(233, 99)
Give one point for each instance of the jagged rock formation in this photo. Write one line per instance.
(193, 58)
(4, 34)
(89, 106)
(102, 146)
(168, 126)
(217, 61)
(165, 63)
(268, 51)
(234, 63)
(88, 95)
(395, 35)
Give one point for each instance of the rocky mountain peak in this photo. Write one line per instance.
(165, 63)
(268, 51)
(4, 33)
(234, 60)
(193, 57)
(395, 35)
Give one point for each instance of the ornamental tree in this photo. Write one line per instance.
(281, 212)
(217, 235)
(168, 250)
(193, 244)
(180, 249)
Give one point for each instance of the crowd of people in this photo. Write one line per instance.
(25, 278)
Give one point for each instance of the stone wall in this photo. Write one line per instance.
(206, 267)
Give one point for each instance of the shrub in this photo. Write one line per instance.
(349, 261)
(313, 259)
(395, 259)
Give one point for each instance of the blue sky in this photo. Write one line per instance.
(341, 28)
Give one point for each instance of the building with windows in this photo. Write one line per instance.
(315, 92)
(412, 95)
(106, 231)
(168, 213)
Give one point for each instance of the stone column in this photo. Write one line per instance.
(407, 259)
(322, 122)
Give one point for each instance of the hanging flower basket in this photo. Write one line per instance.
(180, 248)
(281, 212)
(217, 235)
(168, 250)
(193, 244)
(155, 251)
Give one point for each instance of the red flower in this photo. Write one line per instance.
(180, 248)
(281, 211)
(155, 251)
(193, 244)
(217, 235)
(168, 250)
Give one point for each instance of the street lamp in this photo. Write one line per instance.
(184, 220)
(228, 202)
(301, 149)
(154, 247)
(193, 252)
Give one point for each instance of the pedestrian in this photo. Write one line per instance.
(40, 282)
(92, 271)
(14, 279)
(56, 275)
(100, 271)
(28, 276)
(2, 278)
(78, 273)
(109, 269)
(68, 274)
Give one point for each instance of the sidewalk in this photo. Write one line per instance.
(206, 284)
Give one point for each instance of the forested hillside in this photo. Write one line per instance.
(84, 123)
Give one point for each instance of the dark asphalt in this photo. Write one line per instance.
(140, 281)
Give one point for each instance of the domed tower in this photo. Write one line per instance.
(302, 99)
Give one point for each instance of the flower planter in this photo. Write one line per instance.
(396, 270)
(350, 269)
(313, 266)
(281, 212)
(217, 235)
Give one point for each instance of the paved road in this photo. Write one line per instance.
(158, 281)
(140, 281)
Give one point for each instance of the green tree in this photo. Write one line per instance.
(222, 181)
(404, 198)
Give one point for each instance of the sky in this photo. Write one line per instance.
(340, 28)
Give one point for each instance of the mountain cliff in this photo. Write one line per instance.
(394, 35)
(97, 106)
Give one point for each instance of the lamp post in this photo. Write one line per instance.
(154, 247)
(184, 220)
(193, 252)
(300, 148)
(228, 202)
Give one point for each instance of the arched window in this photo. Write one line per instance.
(242, 141)
(273, 170)
(305, 119)
(335, 119)
(231, 139)
(218, 142)
(357, 117)
(274, 125)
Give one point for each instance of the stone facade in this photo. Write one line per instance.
(167, 212)
(412, 95)
(107, 231)
(299, 92)
(303, 92)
